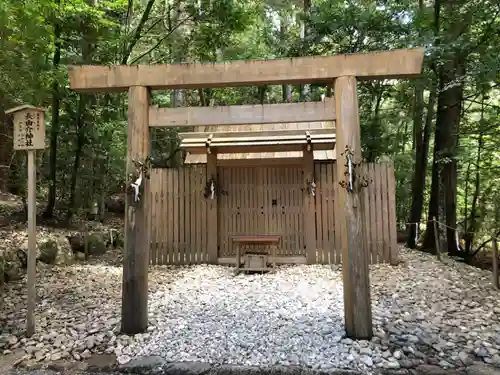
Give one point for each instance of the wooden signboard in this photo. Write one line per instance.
(29, 128)
(29, 135)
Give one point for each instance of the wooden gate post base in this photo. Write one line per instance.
(136, 250)
(355, 261)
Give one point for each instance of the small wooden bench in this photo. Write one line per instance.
(263, 239)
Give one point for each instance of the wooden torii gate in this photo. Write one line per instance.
(343, 70)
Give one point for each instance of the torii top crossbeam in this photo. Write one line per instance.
(402, 63)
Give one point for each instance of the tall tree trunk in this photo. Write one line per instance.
(420, 171)
(445, 151)
(87, 46)
(450, 72)
(178, 52)
(305, 32)
(286, 90)
(421, 137)
(449, 115)
(472, 220)
(466, 196)
(433, 210)
(374, 131)
(80, 136)
(452, 99)
(418, 114)
(54, 129)
(262, 90)
(6, 151)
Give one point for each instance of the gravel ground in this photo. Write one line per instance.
(441, 313)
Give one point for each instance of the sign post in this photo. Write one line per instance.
(29, 135)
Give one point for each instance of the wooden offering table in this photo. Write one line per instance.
(256, 261)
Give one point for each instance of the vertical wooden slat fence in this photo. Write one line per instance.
(265, 200)
(326, 184)
(178, 216)
(261, 200)
(378, 202)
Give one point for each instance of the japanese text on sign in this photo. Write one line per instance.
(29, 130)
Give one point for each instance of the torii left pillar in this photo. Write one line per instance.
(136, 254)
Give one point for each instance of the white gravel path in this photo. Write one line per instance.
(425, 311)
(291, 317)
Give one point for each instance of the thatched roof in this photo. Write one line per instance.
(318, 155)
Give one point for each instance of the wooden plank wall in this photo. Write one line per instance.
(326, 184)
(264, 200)
(378, 204)
(178, 233)
(379, 212)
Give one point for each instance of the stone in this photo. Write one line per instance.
(101, 362)
(496, 360)
(366, 360)
(431, 370)
(86, 354)
(30, 365)
(191, 368)
(393, 364)
(413, 339)
(48, 248)
(365, 351)
(40, 355)
(96, 242)
(465, 358)
(60, 365)
(80, 256)
(407, 363)
(123, 359)
(56, 356)
(115, 203)
(13, 267)
(444, 364)
(90, 342)
(482, 369)
(148, 363)
(482, 352)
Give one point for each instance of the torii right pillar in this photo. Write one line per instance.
(355, 260)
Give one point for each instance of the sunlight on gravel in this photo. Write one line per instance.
(425, 311)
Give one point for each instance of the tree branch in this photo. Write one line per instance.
(157, 44)
(484, 244)
(486, 33)
(138, 32)
(152, 26)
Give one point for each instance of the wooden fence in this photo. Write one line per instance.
(378, 203)
(178, 224)
(264, 200)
